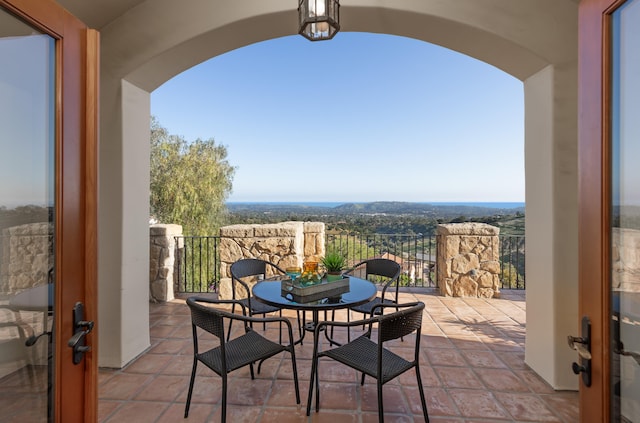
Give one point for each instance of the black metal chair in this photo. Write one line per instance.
(256, 268)
(377, 270)
(232, 354)
(372, 358)
(14, 341)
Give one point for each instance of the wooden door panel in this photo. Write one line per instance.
(595, 173)
(75, 386)
(592, 213)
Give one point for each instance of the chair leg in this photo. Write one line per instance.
(300, 329)
(314, 365)
(380, 409)
(317, 388)
(280, 335)
(233, 310)
(193, 377)
(333, 319)
(422, 400)
(295, 372)
(224, 398)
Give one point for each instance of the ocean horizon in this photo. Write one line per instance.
(331, 204)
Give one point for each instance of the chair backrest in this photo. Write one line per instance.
(248, 267)
(254, 267)
(400, 323)
(382, 267)
(385, 268)
(244, 268)
(207, 318)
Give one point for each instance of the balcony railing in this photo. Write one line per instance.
(198, 263)
(416, 254)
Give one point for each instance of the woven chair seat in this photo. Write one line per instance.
(367, 307)
(241, 351)
(362, 355)
(257, 307)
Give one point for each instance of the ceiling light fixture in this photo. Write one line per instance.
(318, 19)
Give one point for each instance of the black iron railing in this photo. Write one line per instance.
(198, 258)
(512, 257)
(416, 253)
(197, 263)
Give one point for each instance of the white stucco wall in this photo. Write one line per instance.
(551, 224)
(123, 224)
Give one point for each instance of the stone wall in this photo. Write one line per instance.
(284, 244)
(27, 251)
(162, 261)
(468, 260)
(625, 259)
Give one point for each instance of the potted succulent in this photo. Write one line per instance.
(334, 263)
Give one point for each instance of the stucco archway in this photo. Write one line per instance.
(145, 43)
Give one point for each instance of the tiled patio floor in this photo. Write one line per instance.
(472, 370)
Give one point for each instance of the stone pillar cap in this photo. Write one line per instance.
(467, 228)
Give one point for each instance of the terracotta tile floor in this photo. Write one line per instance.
(472, 370)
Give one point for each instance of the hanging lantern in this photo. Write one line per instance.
(318, 19)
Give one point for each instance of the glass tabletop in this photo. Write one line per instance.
(34, 299)
(274, 293)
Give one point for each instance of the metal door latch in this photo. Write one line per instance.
(81, 328)
(579, 344)
(582, 344)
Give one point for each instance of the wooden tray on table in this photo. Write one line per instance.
(323, 289)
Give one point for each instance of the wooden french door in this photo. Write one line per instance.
(48, 194)
(609, 150)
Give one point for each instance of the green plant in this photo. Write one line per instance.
(334, 262)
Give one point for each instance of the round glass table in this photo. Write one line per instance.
(274, 293)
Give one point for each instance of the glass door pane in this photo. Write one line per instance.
(27, 232)
(625, 231)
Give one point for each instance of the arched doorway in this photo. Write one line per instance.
(532, 40)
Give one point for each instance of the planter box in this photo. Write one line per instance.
(315, 292)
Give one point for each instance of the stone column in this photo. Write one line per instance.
(26, 256)
(625, 259)
(314, 248)
(284, 244)
(162, 261)
(468, 260)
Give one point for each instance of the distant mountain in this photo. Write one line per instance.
(377, 207)
(436, 210)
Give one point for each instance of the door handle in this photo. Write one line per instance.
(632, 354)
(81, 328)
(578, 344)
(582, 344)
(618, 347)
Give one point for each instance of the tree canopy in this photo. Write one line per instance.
(190, 181)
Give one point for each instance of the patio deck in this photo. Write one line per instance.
(472, 370)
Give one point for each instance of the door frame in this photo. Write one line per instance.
(594, 190)
(76, 116)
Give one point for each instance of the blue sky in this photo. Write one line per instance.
(362, 117)
(26, 118)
